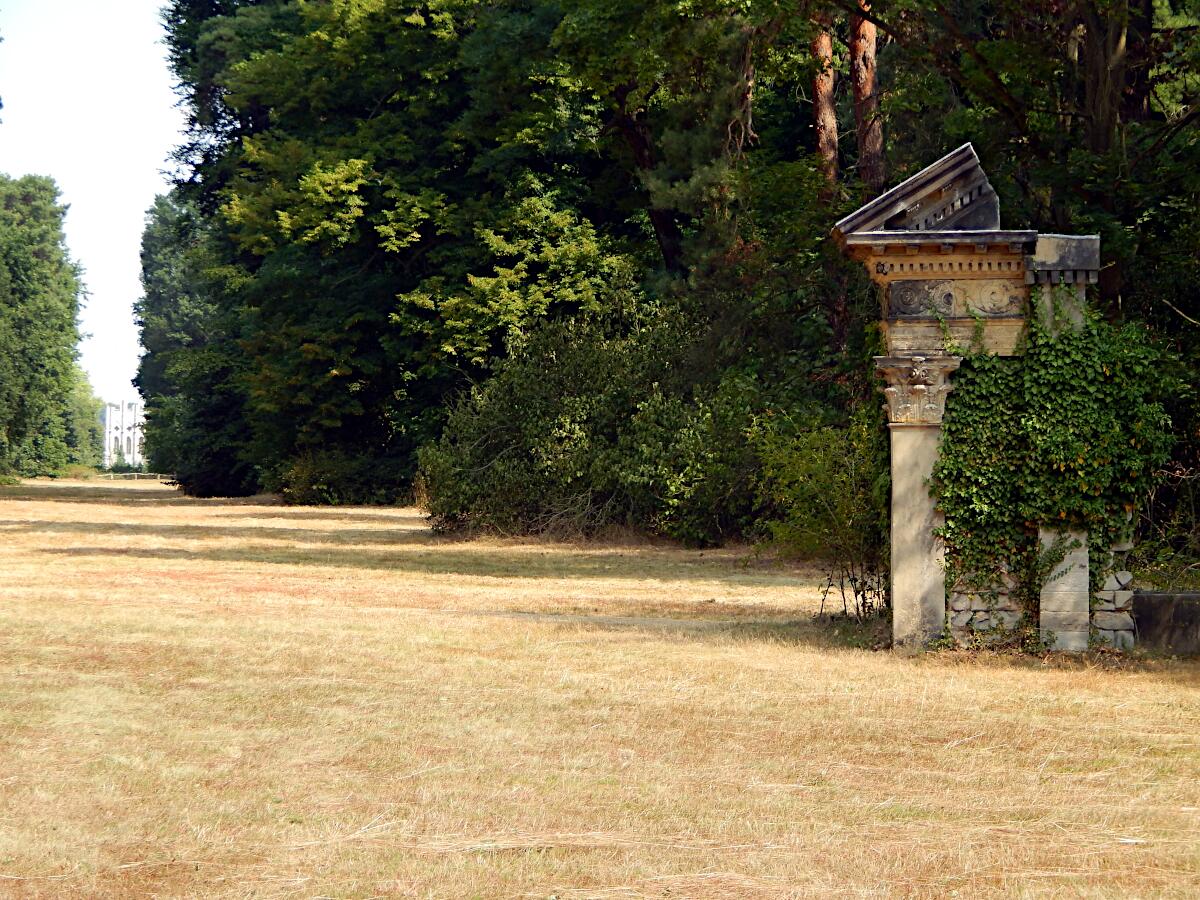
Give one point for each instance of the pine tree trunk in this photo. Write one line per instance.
(823, 107)
(868, 125)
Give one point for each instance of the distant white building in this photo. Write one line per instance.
(123, 432)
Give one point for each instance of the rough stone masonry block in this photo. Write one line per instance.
(1065, 598)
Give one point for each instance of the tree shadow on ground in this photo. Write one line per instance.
(150, 495)
(334, 514)
(424, 558)
(334, 537)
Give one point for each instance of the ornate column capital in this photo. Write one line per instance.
(916, 387)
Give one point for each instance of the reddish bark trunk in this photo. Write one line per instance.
(868, 125)
(823, 108)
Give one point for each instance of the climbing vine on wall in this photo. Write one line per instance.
(1069, 435)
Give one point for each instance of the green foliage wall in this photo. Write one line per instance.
(1072, 434)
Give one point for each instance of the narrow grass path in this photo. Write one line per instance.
(237, 699)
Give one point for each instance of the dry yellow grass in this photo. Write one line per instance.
(244, 700)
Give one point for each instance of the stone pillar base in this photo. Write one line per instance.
(1112, 613)
(1065, 608)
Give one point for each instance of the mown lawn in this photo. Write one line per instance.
(209, 698)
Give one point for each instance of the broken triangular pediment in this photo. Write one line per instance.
(953, 194)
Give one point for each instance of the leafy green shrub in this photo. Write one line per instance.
(578, 430)
(534, 447)
(76, 471)
(336, 477)
(830, 484)
(694, 459)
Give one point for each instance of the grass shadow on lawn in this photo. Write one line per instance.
(151, 494)
(420, 557)
(334, 537)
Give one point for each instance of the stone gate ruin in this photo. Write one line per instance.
(948, 274)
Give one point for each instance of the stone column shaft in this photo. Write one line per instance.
(917, 570)
(916, 401)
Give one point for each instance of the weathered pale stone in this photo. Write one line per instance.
(1106, 594)
(1106, 637)
(1124, 578)
(1123, 599)
(1070, 641)
(1104, 604)
(918, 578)
(1113, 621)
(1111, 583)
(960, 619)
(1059, 253)
(952, 193)
(1065, 601)
(1007, 618)
(1064, 621)
(959, 602)
(1122, 546)
(1071, 574)
(916, 387)
(1062, 602)
(1124, 640)
(981, 622)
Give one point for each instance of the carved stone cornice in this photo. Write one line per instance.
(916, 387)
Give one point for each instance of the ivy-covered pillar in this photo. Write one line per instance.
(916, 402)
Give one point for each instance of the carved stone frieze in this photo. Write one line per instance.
(945, 298)
(921, 298)
(916, 387)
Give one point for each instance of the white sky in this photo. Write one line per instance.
(87, 100)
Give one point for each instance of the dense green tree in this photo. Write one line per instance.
(39, 302)
(189, 372)
(84, 430)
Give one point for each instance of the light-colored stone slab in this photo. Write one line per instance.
(918, 579)
(1064, 602)
(1113, 621)
(1065, 621)
(1071, 574)
(1070, 641)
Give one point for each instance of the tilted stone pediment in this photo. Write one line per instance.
(948, 273)
(953, 194)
